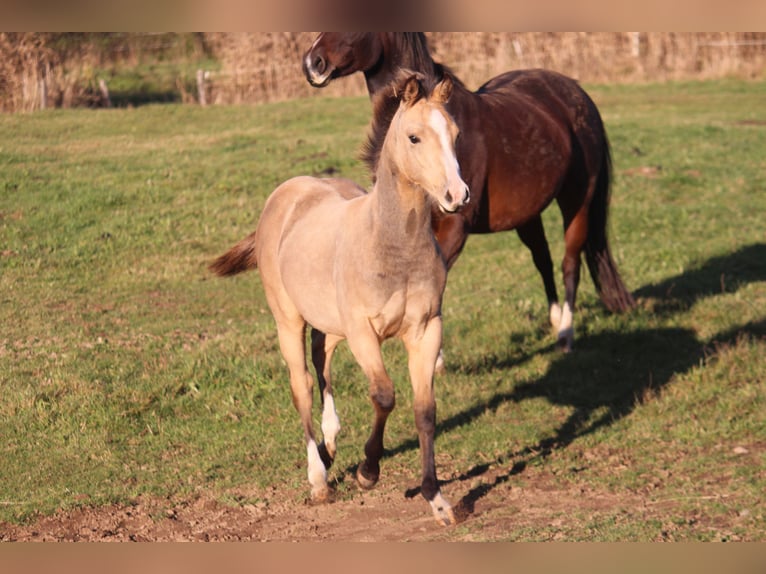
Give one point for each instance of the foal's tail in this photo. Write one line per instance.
(603, 270)
(239, 258)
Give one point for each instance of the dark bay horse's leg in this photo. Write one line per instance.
(422, 349)
(532, 234)
(575, 235)
(451, 232)
(322, 348)
(365, 347)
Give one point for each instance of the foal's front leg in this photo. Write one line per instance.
(422, 351)
(365, 347)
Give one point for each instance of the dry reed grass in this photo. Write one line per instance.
(266, 67)
(263, 67)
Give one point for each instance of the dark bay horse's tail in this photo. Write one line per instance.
(239, 258)
(603, 270)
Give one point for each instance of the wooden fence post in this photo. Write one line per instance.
(104, 92)
(201, 88)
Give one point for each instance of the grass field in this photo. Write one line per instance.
(128, 370)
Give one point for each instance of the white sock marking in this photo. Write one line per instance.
(316, 471)
(554, 315)
(566, 318)
(330, 424)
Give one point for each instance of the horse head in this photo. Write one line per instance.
(337, 54)
(421, 140)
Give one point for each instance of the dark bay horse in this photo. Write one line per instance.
(527, 137)
(364, 267)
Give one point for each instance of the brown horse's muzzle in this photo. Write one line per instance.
(316, 68)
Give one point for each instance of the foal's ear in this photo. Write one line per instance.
(412, 91)
(443, 90)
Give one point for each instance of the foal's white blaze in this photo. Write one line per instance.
(438, 123)
(330, 424)
(317, 471)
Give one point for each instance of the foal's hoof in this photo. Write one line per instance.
(443, 512)
(320, 495)
(365, 482)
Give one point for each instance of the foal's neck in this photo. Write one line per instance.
(402, 212)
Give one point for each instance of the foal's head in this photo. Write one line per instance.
(420, 143)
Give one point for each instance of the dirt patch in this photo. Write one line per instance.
(532, 509)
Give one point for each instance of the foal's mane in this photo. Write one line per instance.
(413, 50)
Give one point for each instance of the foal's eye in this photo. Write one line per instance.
(414, 139)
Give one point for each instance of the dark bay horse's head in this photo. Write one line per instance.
(337, 54)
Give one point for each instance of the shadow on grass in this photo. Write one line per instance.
(629, 368)
(724, 274)
(611, 373)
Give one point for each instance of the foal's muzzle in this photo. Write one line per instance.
(454, 200)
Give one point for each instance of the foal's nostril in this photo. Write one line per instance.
(319, 65)
(448, 197)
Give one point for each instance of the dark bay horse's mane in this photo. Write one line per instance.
(386, 101)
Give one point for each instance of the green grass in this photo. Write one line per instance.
(127, 369)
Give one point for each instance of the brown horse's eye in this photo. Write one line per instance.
(414, 139)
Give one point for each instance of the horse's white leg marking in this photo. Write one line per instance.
(317, 472)
(330, 424)
(440, 366)
(554, 314)
(566, 328)
(442, 510)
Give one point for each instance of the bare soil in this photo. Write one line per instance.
(494, 506)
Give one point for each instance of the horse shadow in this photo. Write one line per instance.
(610, 373)
(724, 274)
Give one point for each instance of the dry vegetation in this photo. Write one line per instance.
(38, 70)
(266, 67)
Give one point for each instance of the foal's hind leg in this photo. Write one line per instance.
(292, 343)
(532, 234)
(322, 348)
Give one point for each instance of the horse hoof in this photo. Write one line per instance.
(566, 340)
(365, 482)
(443, 512)
(320, 495)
